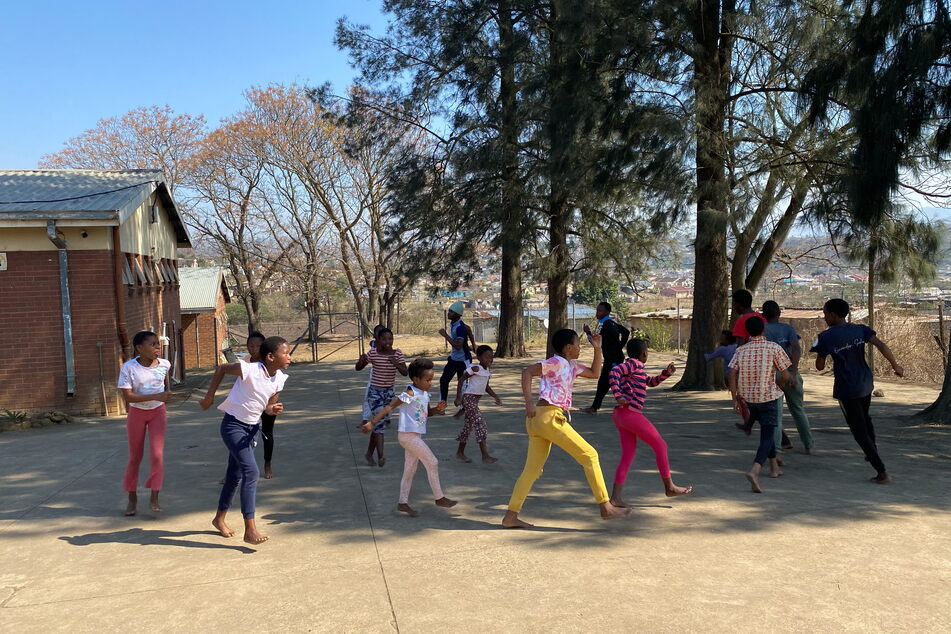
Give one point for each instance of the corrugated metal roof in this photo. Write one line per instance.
(198, 288)
(63, 194)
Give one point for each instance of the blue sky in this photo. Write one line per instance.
(65, 65)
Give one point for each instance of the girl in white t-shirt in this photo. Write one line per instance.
(255, 392)
(143, 382)
(414, 412)
(471, 387)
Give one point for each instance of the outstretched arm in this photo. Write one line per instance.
(367, 426)
(228, 368)
(665, 374)
(887, 353)
(533, 370)
(594, 371)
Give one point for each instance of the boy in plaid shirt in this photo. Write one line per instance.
(753, 380)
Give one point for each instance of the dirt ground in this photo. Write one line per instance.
(822, 550)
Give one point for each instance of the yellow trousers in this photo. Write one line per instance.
(549, 426)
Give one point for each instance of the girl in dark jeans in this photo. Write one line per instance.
(255, 339)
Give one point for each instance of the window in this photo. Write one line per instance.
(139, 271)
(127, 276)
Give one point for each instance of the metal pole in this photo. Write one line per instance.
(678, 325)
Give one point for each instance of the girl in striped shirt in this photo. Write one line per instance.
(386, 362)
(629, 383)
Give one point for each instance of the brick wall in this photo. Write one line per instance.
(32, 357)
(202, 335)
(148, 307)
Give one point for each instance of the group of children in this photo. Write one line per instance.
(757, 371)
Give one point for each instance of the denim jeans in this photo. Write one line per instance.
(242, 467)
(766, 415)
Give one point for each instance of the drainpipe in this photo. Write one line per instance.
(60, 245)
(120, 295)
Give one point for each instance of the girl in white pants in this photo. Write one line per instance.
(414, 412)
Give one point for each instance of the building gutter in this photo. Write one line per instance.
(120, 294)
(60, 245)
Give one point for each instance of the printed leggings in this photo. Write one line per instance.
(474, 420)
(633, 425)
(550, 427)
(416, 451)
(137, 421)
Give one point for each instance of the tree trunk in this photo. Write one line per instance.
(253, 305)
(511, 335)
(558, 269)
(711, 83)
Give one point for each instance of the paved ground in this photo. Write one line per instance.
(821, 550)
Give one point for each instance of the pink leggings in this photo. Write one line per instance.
(417, 451)
(137, 421)
(632, 424)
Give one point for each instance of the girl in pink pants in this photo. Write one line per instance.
(629, 383)
(143, 382)
(414, 412)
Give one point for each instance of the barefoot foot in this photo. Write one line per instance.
(222, 528)
(618, 502)
(463, 457)
(881, 478)
(268, 474)
(255, 538)
(446, 503)
(775, 474)
(676, 491)
(511, 521)
(382, 461)
(589, 410)
(489, 459)
(370, 460)
(406, 508)
(754, 483)
(609, 512)
(130, 507)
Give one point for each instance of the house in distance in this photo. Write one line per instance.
(87, 259)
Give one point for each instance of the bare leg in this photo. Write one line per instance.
(486, 458)
(616, 496)
(133, 501)
(672, 490)
(251, 534)
(370, 447)
(774, 465)
(461, 453)
(753, 477)
(219, 524)
(510, 520)
(609, 512)
(381, 460)
(153, 503)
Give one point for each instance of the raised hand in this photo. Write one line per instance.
(586, 329)
(671, 368)
(596, 341)
(443, 332)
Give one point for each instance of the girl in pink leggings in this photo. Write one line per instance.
(629, 383)
(143, 382)
(414, 412)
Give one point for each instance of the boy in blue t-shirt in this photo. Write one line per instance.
(845, 342)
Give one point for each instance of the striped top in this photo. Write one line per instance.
(383, 373)
(629, 381)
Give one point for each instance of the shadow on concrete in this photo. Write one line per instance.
(146, 537)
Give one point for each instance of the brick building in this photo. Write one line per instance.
(87, 259)
(203, 294)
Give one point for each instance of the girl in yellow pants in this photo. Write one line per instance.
(549, 425)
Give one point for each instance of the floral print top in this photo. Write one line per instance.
(558, 377)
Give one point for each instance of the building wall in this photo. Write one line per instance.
(202, 336)
(34, 239)
(139, 235)
(32, 357)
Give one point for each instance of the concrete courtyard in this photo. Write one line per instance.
(822, 550)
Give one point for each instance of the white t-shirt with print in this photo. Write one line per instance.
(414, 410)
(251, 392)
(142, 380)
(477, 379)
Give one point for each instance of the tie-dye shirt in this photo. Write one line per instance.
(558, 377)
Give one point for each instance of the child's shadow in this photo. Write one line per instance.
(151, 538)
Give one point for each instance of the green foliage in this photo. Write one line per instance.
(15, 416)
(596, 290)
(237, 313)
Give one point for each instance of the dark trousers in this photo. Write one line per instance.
(860, 424)
(766, 415)
(452, 369)
(603, 382)
(267, 433)
(242, 467)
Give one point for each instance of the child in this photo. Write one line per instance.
(255, 339)
(629, 385)
(414, 411)
(255, 392)
(143, 382)
(547, 423)
(725, 351)
(853, 386)
(367, 414)
(476, 384)
(385, 363)
(754, 381)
